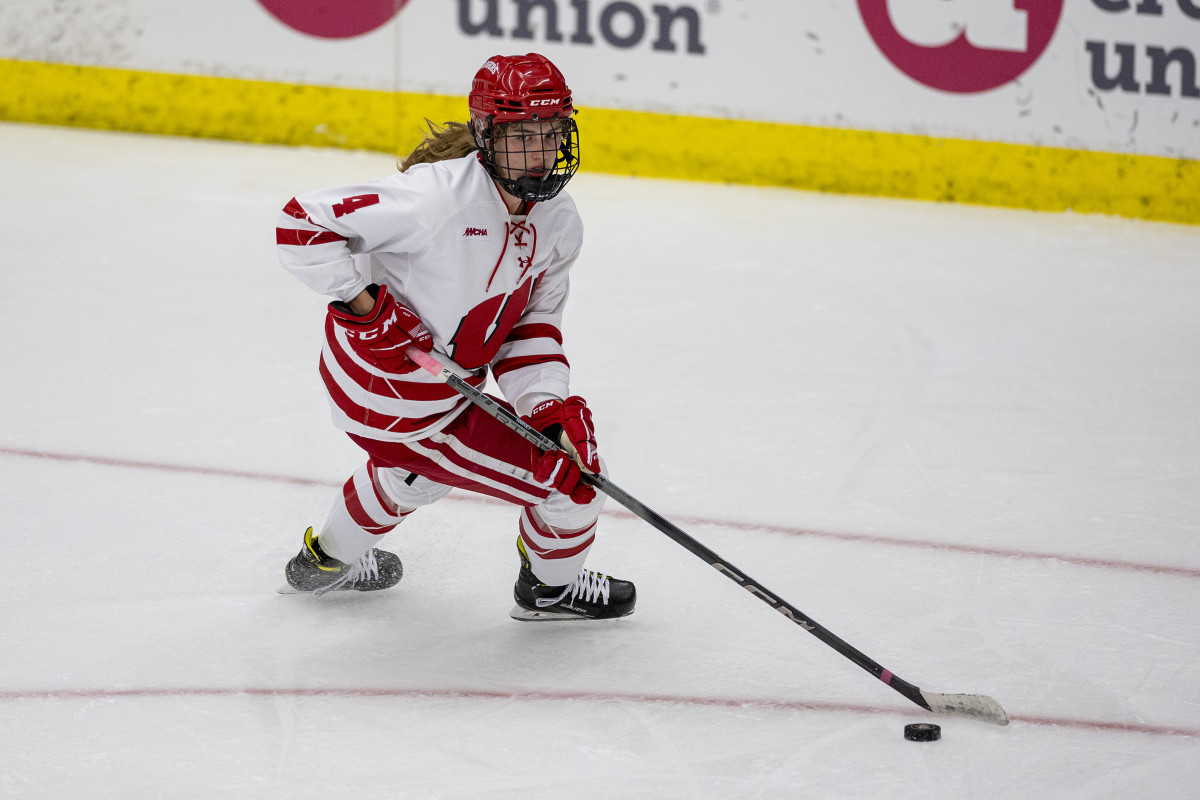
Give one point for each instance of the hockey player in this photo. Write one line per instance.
(464, 253)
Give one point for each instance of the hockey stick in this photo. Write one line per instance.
(971, 705)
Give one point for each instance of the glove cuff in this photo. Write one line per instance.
(341, 312)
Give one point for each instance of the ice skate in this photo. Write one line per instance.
(590, 596)
(312, 570)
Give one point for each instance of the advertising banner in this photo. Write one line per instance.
(1098, 101)
(1106, 75)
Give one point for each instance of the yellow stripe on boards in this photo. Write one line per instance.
(621, 142)
(893, 165)
(193, 105)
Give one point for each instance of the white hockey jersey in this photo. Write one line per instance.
(489, 286)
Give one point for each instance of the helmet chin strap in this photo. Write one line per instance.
(534, 189)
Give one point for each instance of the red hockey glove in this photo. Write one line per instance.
(382, 336)
(556, 470)
(569, 424)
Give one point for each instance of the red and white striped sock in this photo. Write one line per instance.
(360, 517)
(555, 554)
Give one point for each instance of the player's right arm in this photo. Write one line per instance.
(319, 233)
(317, 237)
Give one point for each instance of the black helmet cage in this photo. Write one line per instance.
(529, 187)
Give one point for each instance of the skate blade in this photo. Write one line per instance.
(287, 588)
(522, 614)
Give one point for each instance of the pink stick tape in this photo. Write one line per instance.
(423, 359)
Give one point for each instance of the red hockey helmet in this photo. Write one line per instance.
(524, 89)
(515, 88)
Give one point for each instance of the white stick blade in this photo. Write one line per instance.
(979, 706)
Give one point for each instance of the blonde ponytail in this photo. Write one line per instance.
(454, 140)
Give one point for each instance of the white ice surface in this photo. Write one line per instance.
(966, 440)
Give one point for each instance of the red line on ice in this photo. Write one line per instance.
(617, 697)
(162, 467)
(995, 552)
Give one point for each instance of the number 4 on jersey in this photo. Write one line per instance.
(351, 204)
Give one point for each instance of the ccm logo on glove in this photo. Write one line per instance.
(569, 423)
(383, 334)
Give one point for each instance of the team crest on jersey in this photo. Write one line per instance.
(475, 232)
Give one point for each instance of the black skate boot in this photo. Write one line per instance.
(590, 596)
(314, 571)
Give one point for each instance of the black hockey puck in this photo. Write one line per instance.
(922, 732)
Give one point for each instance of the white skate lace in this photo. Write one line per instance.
(590, 586)
(366, 567)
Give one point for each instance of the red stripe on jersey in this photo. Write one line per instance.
(370, 380)
(295, 210)
(360, 375)
(292, 236)
(517, 362)
(536, 330)
(370, 418)
(392, 387)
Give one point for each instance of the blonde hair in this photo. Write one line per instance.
(454, 140)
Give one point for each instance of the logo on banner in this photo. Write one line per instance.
(961, 46)
(623, 25)
(343, 19)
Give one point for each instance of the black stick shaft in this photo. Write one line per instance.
(534, 437)
(758, 590)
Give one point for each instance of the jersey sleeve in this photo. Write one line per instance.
(320, 232)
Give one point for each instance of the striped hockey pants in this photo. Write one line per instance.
(474, 452)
